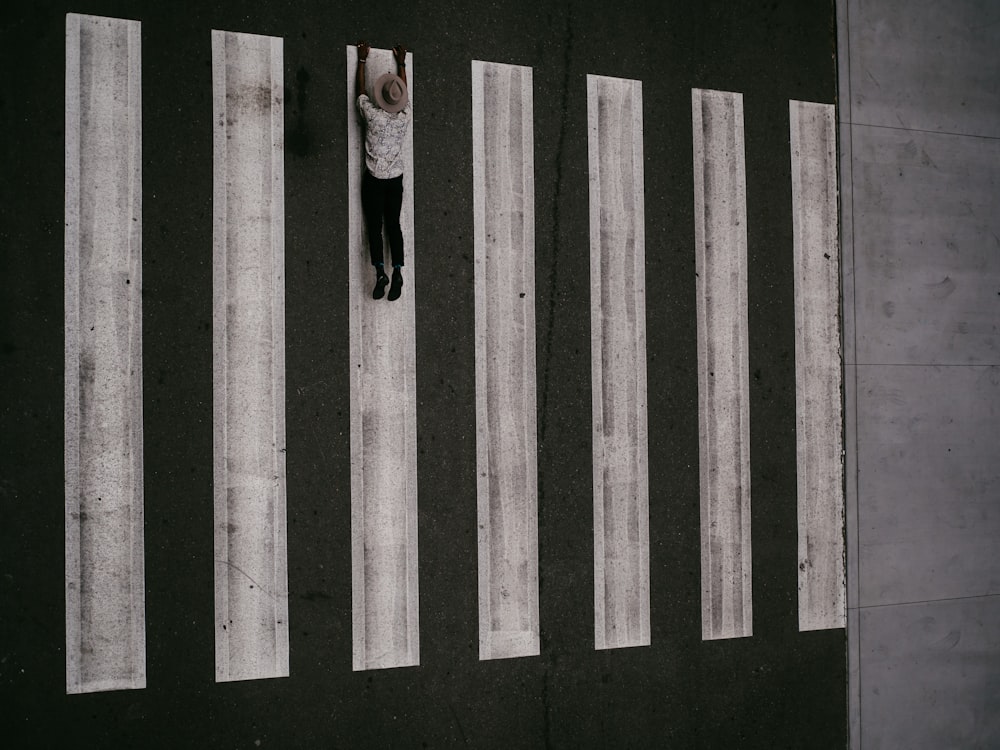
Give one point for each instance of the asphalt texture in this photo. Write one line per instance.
(779, 688)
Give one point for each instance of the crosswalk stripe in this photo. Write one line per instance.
(818, 367)
(383, 421)
(723, 387)
(507, 486)
(618, 363)
(251, 577)
(105, 582)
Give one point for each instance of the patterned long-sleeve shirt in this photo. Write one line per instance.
(385, 136)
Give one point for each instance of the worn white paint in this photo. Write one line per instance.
(720, 221)
(251, 578)
(105, 582)
(618, 363)
(818, 367)
(383, 420)
(507, 482)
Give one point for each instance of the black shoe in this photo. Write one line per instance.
(380, 281)
(397, 284)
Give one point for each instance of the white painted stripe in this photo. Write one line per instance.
(251, 577)
(720, 220)
(618, 363)
(105, 583)
(383, 420)
(818, 367)
(503, 195)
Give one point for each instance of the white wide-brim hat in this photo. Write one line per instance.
(390, 93)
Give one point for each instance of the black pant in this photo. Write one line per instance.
(383, 198)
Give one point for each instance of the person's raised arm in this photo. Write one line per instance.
(359, 79)
(399, 52)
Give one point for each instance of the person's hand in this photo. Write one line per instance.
(399, 52)
(363, 49)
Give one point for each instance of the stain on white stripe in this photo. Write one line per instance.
(503, 194)
(383, 420)
(251, 578)
(818, 373)
(105, 594)
(618, 363)
(720, 218)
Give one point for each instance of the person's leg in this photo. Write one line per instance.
(393, 203)
(372, 198)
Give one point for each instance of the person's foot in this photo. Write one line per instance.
(380, 282)
(397, 284)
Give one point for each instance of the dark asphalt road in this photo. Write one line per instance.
(777, 689)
